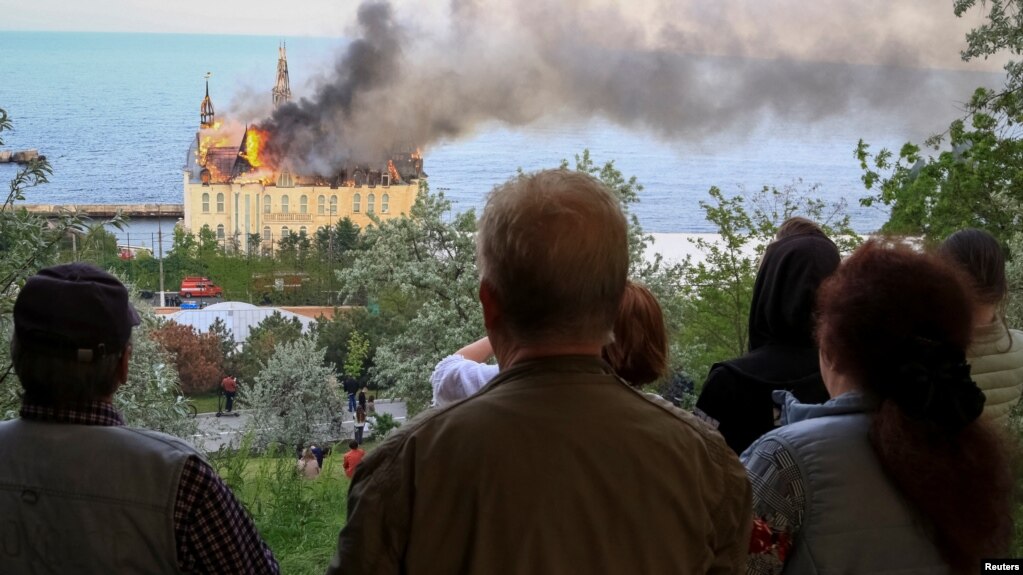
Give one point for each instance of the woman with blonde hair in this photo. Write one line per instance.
(307, 466)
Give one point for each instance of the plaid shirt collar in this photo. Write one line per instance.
(92, 413)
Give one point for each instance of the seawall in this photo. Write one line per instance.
(110, 210)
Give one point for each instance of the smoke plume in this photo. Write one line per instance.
(683, 70)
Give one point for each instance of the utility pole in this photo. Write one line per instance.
(159, 238)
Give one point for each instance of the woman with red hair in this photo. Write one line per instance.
(895, 473)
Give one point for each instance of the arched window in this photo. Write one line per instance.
(303, 205)
(220, 203)
(220, 232)
(266, 204)
(357, 203)
(370, 200)
(284, 204)
(205, 203)
(266, 233)
(333, 205)
(321, 205)
(302, 231)
(284, 232)
(384, 201)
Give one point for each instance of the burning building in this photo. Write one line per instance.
(239, 185)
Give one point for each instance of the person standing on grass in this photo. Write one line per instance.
(351, 387)
(230, 386)
(102, 497)
(353, 457)
(360, 423)
(557, 465)
(362, 398)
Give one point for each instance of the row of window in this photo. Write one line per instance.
(303, 204)
(285, 231)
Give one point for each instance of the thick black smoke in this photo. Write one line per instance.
(684, 71)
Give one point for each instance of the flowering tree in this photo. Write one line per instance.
(295, 398)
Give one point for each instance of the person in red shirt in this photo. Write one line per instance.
(353, 457)
(230, 386)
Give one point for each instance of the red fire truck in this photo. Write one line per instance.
(196, 286)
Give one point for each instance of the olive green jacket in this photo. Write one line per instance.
(557, 466)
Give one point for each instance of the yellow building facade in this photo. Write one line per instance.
(235, 211)
(228, 188)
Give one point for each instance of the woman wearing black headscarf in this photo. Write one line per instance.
(736, 397)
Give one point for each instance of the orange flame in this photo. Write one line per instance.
(211, 137)
(255, 143)
(393, 171)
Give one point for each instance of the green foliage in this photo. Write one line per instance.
(334, 244)
(974, 181)
(295, 398)
(1014, 277)
(262, 340)
(420, 271)
(1002, 31)
(383, 424)
(151, 398)
(333, 335)
(299, 518)
(358, 351)
(717, 291)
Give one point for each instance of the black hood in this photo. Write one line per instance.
(784, 296)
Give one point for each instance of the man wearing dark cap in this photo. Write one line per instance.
(79, 491)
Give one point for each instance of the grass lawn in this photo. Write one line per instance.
(204, 402)
(299, 518)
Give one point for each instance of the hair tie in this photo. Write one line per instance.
(934, 384)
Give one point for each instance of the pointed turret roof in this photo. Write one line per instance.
(282, 89)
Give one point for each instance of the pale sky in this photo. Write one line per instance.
(917, 33)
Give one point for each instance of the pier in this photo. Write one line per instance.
(135, 211)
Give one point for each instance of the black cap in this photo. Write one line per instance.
(74, 308)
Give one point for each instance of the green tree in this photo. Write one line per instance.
(713, 308)
(295, 398)
(970, 175)
(358, 352)
(150, 397)
(262, 340)
(420, 272)
(208, 246)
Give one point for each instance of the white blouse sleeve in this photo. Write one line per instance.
(456, 378)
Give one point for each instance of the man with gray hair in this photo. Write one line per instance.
(82, 493)
(556, 466)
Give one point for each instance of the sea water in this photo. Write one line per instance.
(115, 113)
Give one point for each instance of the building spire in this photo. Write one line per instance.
(282, 90)
(206, 109)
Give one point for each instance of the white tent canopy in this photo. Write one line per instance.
(238, 316)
